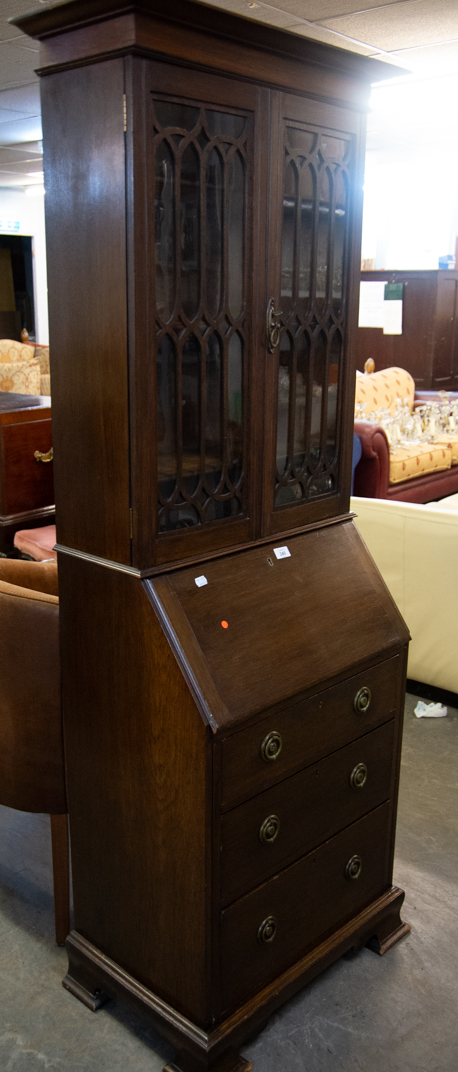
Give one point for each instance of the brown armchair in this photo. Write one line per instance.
(32, 776)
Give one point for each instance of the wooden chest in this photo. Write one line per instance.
(240, 743)
(26, 484)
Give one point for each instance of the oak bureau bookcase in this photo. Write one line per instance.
(233, 667)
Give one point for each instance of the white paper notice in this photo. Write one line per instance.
(371, 304)
(282, 552)
(393, 318)
(200, 581)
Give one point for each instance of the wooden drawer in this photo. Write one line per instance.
(305, 810)
(305, 901)
(308, 730)
(27, 484)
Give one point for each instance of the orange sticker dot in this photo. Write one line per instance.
(225, 625)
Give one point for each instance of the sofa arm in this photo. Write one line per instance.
(372, 474)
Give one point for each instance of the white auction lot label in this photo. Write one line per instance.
(282, 552)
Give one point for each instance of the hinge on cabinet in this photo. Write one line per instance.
(131, 523)
(125, 112)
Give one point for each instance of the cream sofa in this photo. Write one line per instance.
(24, 368)
(416, 550)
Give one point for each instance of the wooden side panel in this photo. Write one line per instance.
(444, 364)
(85, 226)
(137, 786)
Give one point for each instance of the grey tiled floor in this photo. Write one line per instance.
(368, 1014)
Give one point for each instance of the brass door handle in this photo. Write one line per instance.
(39, 457)
(273, 326)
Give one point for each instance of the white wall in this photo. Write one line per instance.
(410, 187)
(16, 206)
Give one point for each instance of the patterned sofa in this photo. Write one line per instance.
(24, 368)
(417, 473)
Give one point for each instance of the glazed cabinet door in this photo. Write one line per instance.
(313, 253)
(193, 430)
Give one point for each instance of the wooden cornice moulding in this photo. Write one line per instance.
(112, 26)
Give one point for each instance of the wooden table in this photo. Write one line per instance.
(26, 484)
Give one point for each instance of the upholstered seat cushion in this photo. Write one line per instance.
(452, 442)
(382, 390)
(22, 378)
(417, 459)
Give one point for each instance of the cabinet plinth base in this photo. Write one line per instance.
(230, 1062)
(380, 943)
(92, 1000)
(94, 978)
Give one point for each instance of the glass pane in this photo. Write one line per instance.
(190, 409)
(166, 415)
(333, 147)
(235, 232)
(323, 237)
(225, 124)
(340, 223)
(234, 408)
(301, 141)
(171, 114)
(213, 415)
(164, 216)
(190, 231)
(288, 234)
(319, 366)
(284, 380)
(302, 359)
(333, 383)
(307, 188)
(214, 231)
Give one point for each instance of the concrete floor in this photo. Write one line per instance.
(368, 1014)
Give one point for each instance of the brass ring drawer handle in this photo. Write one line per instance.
(267, 930)
(269, 829)
(271, 746)
(362, 700)
(353, 868)
(358, 776)
(39, 457)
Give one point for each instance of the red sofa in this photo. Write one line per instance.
(372, 474)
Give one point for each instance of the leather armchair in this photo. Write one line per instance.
(32, 776)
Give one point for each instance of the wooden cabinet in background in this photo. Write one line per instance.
(233, 667)
(26, 485)
(428, 346)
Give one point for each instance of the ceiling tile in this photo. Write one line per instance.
(260, 12)
(20, 155)
(431, 60)
(411, 23)
(320, 33)
(21, 130)
(25, 100)
(17, 64)
(319, 10)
